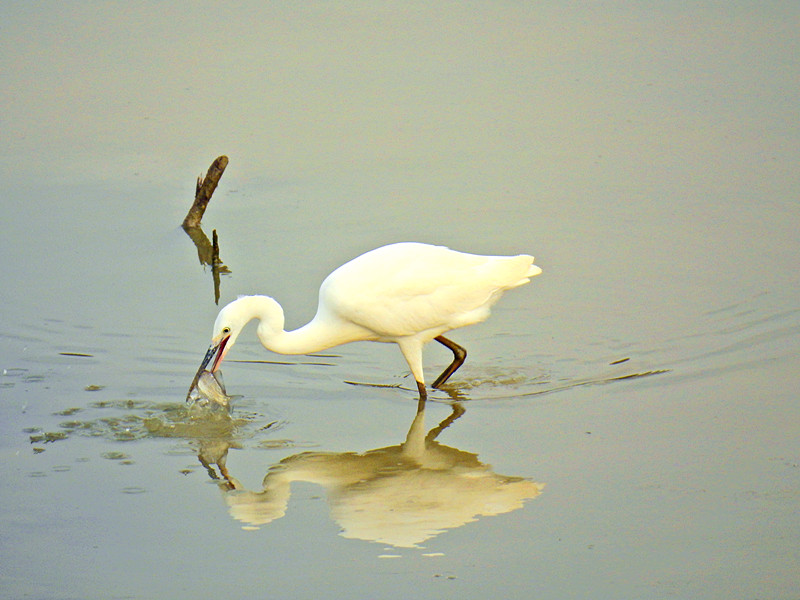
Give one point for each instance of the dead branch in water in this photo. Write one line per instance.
(203, 192)
(207, 252)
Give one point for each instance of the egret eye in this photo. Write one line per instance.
(226, 331)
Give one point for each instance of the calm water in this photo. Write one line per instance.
(626, 426)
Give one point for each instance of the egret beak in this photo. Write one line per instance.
(219, 350)
(214, 350)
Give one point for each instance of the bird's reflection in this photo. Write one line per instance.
(400, 495)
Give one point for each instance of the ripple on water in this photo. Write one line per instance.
(748, 333)
(503, 383)
(125, 421)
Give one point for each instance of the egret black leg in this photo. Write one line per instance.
(459, 355)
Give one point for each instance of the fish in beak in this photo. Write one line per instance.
(215, 353)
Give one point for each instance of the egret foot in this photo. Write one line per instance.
(459, 356)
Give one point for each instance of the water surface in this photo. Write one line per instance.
(625, 426)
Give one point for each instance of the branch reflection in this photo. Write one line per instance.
(208, 254)
(400, 495)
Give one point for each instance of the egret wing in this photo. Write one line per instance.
(408, 288)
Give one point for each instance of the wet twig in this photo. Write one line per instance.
(203, 192)
(207, 251)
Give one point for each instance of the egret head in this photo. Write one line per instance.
(230, 322)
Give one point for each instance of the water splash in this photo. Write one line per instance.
(131, 420)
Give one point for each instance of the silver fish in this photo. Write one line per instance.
(210, 388)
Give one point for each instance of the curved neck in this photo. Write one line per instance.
(319, 334)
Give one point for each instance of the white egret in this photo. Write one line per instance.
(407, 293)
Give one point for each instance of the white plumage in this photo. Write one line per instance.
(407, 293)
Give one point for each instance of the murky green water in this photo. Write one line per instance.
(625, 426)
